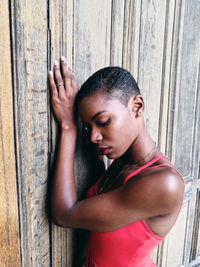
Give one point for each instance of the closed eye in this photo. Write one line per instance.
(87, 128)
(104, 123)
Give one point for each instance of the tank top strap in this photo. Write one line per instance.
(144, 167)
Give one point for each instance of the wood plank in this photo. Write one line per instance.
(92, 27)
(130, 52)
(188, 86)
(173, 251)
(37, 127)
(29, 23)
(177, 42)
(150, 60)
(61, 29)
(9, 230)
(135, 38)
(117, 24)
(195, 248)
(165, 83)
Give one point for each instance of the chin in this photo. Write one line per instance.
(113, 156)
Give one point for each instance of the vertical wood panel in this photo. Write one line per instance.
(166, 70)
(9, 229)
(195, 242)
(135, 39)
(197, 233)
(127, 33)
(19, 70)
(173, 252)
(177, 39)
(60, 14)
(188, 86)
(117, 19)
(159, 43)
(92, 26)
(150, 60)
(195, 250)
(29, 22)
(61, 43)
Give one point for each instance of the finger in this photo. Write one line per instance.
(59, 79)
(73, 81)
(52, 84)
(66, 75)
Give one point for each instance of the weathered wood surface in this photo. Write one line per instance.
(60, 42)
(159, 42)
(9, 228)
(29, 32)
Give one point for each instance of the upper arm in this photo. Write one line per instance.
(145, 198)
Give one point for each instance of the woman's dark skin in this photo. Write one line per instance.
(155, 195)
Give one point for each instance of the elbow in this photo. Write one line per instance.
(57, 222)
(60, 220)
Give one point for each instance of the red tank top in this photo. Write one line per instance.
(130, 246)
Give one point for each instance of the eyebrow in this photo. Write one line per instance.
(97, 114)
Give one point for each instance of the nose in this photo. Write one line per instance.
(96, 136)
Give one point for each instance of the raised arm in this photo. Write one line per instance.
(63, 92)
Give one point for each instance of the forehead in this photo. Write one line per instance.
(97, 102)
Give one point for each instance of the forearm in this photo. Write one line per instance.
(64, 189)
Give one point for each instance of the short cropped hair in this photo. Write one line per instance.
(116, 82)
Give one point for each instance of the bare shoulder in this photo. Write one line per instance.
(160, 189)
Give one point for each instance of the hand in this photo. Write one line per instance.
(63, 93)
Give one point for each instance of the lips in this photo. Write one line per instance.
(104, 150)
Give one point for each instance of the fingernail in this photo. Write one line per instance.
(56, 63)
(51, 72)
(63, 58)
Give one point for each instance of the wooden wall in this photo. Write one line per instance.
(159, 42)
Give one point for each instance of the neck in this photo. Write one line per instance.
(142, 149)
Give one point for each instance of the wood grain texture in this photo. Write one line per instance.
(150, 60)
(158, 41)
(166, 70)
(9, 228)
(30, 91)
(173, 252)
(92, 27)
(195, 238)
(117, 25)
(182, 133)
(61, 43)
(188, 85)
(135, 38)
(196, 230)
(127, 33)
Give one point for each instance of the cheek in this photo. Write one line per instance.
(123, 130)
(120, 136)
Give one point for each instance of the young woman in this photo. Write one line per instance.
(136, 202)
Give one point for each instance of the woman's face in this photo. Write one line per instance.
(111, 125)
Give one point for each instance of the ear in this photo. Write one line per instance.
(138, 105)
